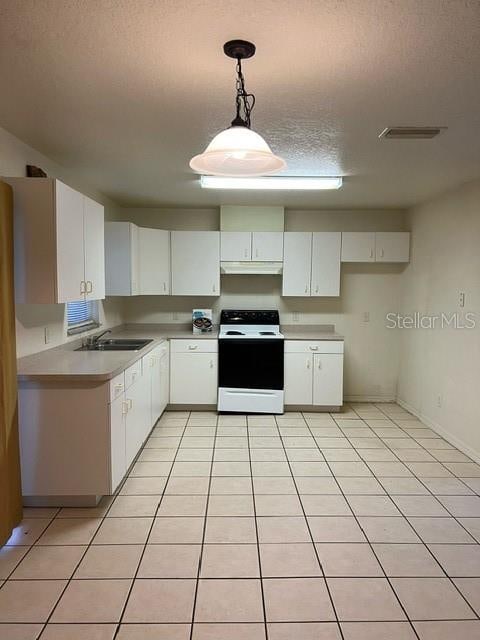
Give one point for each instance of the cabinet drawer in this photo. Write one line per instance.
(133, 373)
(117, 386)
(197, 346)
(313, 346)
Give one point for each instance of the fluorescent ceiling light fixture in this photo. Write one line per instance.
(274, 183)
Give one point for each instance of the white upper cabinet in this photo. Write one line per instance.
(380, 246)
(267, 246)
(121, 259)
(326, 247)
(94, 233)
(71, 281)
(358, 246)
(235, 246)
(59, 250)
(311, 264)
(297, 264)
(392, 246)
(195, 263)
(154, 262)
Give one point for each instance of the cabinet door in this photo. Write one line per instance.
(94, 234)
(134, 260)
(358, 246)
(138, 399)
(392, 246)
(154, 262)
(118, 468)
(70, 244)
(297, 264)
(195, 263)
(267, 246)
(298, 378)
(328, 379)
(193, 378)
(235, 246)
(164, 381)
(326, 263)
(152, 362)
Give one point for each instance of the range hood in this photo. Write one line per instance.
(251, 219)
(253, 268)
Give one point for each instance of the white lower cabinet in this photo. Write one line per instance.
(118, 464)
(157, 362)
(314, 372)
(78, 440)
(298, 378)
(193, 371)
(328, 379)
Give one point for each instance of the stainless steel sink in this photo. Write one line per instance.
(119, 344)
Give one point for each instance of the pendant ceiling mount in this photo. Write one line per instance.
(238, 151)
(239, 49)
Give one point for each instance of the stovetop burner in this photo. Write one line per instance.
(234, 333)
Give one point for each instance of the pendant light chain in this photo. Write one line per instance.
(244, 101)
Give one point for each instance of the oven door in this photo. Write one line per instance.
(255, 363)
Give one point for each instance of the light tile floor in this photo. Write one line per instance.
(359, 525)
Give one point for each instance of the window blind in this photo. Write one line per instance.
(81, 313)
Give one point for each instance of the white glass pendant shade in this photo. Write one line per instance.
(237, 152)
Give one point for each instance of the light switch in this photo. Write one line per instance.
(462, 299)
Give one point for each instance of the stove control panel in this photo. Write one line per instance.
(231, 316)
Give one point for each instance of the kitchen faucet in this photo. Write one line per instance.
(93, 340)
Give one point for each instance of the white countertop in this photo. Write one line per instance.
(64, 363)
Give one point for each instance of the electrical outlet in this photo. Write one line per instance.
(175, 315)
(366, 316)
(295, 316)
(461, 299)
(439, 401)
(46, 334)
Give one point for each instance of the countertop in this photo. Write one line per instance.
(64, 363)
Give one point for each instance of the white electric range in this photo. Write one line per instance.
(250, 362)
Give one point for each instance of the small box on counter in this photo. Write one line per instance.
(202, 320)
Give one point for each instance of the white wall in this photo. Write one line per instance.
(371, 361)
(442, 366)
(32, 319)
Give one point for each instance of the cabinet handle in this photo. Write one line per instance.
(211, 364)
(308, 363)
(319, 364)
(129, 403)
(256, 253)
(382, 253)
(83, 287)
(134, 375)
(316, 289)
(306, 288)
(213, 288)
(371, 253)
(164, 286)
(124, 408)
(246, 253)
(192, 347)
(89, 287)
(313, 348)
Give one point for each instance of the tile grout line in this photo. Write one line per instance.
(256, 533)
(327, 587)
(129, 593)
(204, 531)
(372, 549)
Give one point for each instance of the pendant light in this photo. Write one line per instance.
(238, 151)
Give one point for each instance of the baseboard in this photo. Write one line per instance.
(367, 398)
(453, 440)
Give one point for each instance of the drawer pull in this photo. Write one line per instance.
(192, 347)
(313, 348)
(308, 363)
(319, 364)
(124, 408)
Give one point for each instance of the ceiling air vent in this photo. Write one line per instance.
(411, 133)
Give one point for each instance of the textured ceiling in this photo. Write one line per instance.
(126, 91)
